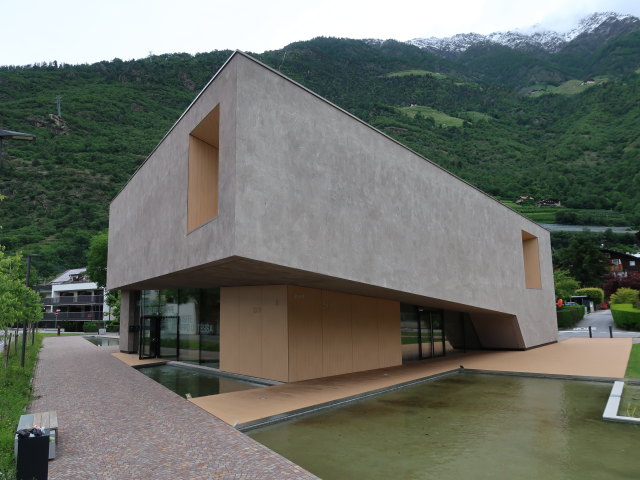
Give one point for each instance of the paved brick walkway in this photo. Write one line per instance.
(116, 423)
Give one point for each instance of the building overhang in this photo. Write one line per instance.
(239, 271)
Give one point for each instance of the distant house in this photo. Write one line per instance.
(549, 202)
(621, 264)
(524, 199)
(73, 297)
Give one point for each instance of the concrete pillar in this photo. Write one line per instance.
(129, 321)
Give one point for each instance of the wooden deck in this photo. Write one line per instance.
(596, 357)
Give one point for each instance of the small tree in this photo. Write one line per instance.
(584, 260)
(626, 295)
(18, 303)
(565, 285)
(97, 271)
(97, 259)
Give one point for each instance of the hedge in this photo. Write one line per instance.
(626, 316)
(595, 294)
(569, 315)
(92, 327)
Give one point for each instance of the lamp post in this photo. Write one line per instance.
(9, 135)
(24, 322)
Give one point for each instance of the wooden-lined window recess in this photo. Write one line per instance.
(531, 254)
(202, 197)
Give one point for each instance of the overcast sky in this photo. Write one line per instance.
(87, 31)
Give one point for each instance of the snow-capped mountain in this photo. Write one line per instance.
(536, 38)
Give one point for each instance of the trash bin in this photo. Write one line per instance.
(32, 455)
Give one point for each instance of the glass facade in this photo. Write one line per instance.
(429, 333)
(181, 324)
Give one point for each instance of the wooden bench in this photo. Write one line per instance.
(47, 420)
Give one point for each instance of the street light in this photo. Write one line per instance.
(9, 135)
(24, 322)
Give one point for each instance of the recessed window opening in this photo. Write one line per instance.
(202, 197)
(531, 254)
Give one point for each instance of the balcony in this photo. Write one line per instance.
(79, 300)
(73, 317)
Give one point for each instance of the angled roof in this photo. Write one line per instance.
(66, 276)
(10, 135)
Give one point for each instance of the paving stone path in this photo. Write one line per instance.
(115, 423)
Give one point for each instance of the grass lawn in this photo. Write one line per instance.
(439, 117)
(633, 367)
(15, 396)
(420, 73)
(570, 87)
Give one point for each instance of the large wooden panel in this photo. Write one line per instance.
(250, 330)
(275, 346)
(202, 196)
(229, 331)
(304, 316)
(389, 344)
(364, 325)
(337, 345)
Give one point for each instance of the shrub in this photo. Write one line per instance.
(113, 327)
(626, 316)
(613, 283)
(595, 294)
(91, 327)
(564, 284)
(568, 316)
(625, 295)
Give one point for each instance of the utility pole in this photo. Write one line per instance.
(58, 102)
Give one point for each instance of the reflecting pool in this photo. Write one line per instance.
(103, 341)
(465, 426)
(196, 382)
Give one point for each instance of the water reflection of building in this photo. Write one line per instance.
(306, 243)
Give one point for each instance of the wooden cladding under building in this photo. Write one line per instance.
(202, 197)
(290, 333)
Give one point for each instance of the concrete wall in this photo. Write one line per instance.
(148, 219)
(321, 192)
(291, 333)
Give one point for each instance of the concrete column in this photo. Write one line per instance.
(129, 321)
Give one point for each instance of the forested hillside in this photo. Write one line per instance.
(475, 116)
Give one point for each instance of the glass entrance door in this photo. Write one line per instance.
(149, 337)
(437, 333)
(422, 332)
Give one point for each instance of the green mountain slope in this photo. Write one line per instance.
(581, 148)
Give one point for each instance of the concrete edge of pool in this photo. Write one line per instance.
(612, 408)
(247, 426)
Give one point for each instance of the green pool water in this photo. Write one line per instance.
(196, 382)
(465, 426)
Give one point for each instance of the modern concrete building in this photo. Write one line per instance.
(273, 234)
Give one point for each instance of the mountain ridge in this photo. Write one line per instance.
(545, 40)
